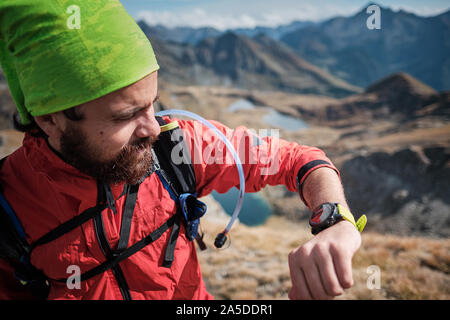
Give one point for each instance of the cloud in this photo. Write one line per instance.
(222, 20)
(232, 14)
(424, 10)
(196, 18)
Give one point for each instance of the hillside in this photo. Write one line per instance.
(398, 95)
(191, 35)
(7, 105)
(411, 188)
(406, 42)
(238, 61)
(254, 265)
(265, 64)
(342, 47)
(382, 146)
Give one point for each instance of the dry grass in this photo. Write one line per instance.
(10, 140)
(255, 265)
(404, 139)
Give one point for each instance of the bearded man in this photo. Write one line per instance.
(85, 97)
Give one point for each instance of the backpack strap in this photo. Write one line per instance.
(68, 226)
(178, 177)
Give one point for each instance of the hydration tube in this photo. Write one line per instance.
(221, 237)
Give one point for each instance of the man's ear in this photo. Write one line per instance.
(51, 124)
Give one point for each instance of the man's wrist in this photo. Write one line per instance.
(329, 214)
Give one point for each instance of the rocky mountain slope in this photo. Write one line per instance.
(238, 61)
(191, 35)
(391, 144)
(406, 42)
(346, 48)
(399, 95)
(253, 264)
(406, 192)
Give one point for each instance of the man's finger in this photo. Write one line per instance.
(305, 292)
(311, 272)
(299, 288)
(343, 265)
(328, 274)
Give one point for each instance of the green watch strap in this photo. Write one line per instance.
(347, 215)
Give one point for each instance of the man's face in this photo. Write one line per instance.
(113, 141)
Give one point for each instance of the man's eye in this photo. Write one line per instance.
(131, 115)
(124, 117)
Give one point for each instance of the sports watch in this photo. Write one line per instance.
(328, 214)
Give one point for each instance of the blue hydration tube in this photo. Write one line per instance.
(221, 237)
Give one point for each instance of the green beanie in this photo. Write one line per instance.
(57, 54)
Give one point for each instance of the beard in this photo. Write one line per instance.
(131, 165)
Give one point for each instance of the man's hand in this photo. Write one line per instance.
(322, 267)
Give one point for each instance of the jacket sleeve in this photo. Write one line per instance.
(10, 288)
(266, 160)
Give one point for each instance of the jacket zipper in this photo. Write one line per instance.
(106, 249)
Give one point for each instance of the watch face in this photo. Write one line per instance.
(321, 214)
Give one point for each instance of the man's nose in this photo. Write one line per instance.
(148, 126)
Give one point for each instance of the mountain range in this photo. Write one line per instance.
(195, 35)
(234, 60)
(342, 47)
(406, 42)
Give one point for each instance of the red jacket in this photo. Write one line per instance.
(44, 191)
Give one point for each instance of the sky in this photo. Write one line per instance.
(229, 14)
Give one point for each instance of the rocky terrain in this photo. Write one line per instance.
(391, 144)
(346, 48)
(235, 60)
(253, 264)
(343, 46)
